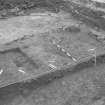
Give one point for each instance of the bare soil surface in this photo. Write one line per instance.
(43, 40)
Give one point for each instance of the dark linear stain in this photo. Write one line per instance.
(10, 50)
(28, 60)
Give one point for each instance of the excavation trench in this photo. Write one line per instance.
(25, 90)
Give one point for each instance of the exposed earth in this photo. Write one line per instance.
(52, 52)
